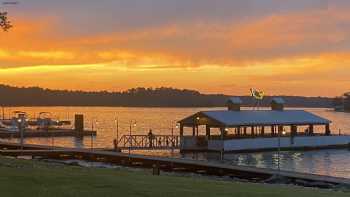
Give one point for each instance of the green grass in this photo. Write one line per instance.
(34, 178)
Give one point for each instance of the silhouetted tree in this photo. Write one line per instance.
(347, 101)
(5, 24)
(136, 97)
(338, 101)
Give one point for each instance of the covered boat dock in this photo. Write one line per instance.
(236, 129)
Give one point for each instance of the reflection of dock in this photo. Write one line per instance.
(146, 142)
(47, 133)
(168, 164)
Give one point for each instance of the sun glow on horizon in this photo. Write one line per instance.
(295, 52)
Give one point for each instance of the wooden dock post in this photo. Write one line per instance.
(79, 124)
(222, 133)
(222, 152)
(311, 129)
(207, 131)
(328, 130)
(156, 170)
(252, 130)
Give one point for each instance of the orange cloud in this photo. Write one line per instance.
(280, 53)
(189, 44)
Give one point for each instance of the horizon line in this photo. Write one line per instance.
(155, 88)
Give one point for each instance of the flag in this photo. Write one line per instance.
(259, 95)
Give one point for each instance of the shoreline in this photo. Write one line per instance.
(174, 165)
(105, 175)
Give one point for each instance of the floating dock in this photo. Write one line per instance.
(168, 164)
(236, 130)
(27, 132)
(47, 133)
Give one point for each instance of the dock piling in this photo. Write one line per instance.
(155, 169)
(79, 123)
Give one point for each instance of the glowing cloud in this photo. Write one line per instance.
(233, 45)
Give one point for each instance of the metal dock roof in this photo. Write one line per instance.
(259, 117)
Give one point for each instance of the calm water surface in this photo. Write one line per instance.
(161, 120)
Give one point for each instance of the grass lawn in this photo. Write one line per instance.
(34, 178)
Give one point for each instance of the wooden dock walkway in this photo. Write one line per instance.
(166, 164)
(47, 133)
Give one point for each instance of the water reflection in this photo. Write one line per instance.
(324, 162)
(78, 142)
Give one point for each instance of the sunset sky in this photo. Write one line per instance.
(290, 47)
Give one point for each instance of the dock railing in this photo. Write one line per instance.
(149, 142)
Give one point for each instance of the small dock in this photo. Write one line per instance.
(23, 130)
(29, 133)
(147, 142)
(168, 164)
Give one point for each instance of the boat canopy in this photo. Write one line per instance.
(226, 118)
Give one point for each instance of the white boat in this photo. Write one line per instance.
(43, 122)
(12, 124)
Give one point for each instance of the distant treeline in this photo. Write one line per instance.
(137, 97)
(342, 103)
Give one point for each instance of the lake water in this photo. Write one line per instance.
(161, 120)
